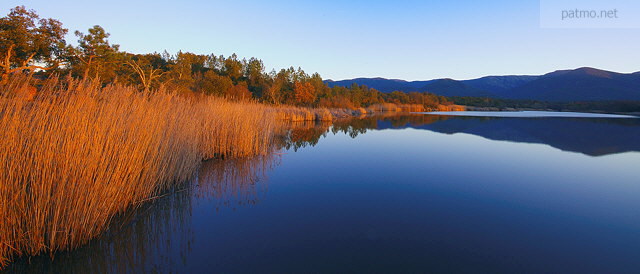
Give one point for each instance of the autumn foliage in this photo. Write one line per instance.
(29, 43)
(305, 93)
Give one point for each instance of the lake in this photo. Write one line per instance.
(397, 193)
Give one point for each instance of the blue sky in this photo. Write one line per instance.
(412, 40)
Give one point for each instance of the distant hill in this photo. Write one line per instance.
(381, 84)
(500, 85)
(583, 84)
(450, 87)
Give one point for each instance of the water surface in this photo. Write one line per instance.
(412, 193)
(529, 114)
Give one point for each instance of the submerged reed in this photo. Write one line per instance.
(75, 154)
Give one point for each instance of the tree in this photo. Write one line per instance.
(272, 94)
(322, 90)
(147, 68)
(239, 92)
(304, 93)
(186, 64)
(282, 89)
(94, 52)
(257, 79)
(211, 83)
(233, 68)
(29, 43)
(398, 97)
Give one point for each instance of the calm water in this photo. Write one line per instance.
(416, 193)
(529, 114)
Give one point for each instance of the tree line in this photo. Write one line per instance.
(30, 44)
(579, 106)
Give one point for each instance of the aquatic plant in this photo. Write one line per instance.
(75, 154)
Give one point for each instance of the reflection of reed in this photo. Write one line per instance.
(157, 237)
(234, 182)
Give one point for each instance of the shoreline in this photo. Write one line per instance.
(299, 114)
(497, 109)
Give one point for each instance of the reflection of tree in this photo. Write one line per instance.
(157, 237)
(303, 134)
(356, 126)
(590, 136)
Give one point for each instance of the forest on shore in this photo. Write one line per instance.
(497, 104)
(30, 44)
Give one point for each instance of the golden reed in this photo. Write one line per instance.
(75, 154)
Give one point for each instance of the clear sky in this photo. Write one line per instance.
(411, 40)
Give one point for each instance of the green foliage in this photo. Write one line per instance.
(233, 68)
(211, 83)
(95, 56)
(145, 70)
(28, 42)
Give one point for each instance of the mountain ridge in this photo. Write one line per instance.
(581, 84)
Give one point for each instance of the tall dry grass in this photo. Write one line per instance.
(159, 229)
(451, 108)
(300, 114)
(75, 154)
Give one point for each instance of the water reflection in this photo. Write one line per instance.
(158, 236)
(155, 232)
(589, 136)
(303, 134)
(234, 182)
(394, 201)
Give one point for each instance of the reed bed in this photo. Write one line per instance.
(73, 155)
(390, 107)
(451, 108)
(384, 107)
(298, 114)
(411, 108)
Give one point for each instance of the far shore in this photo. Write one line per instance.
(471, 108)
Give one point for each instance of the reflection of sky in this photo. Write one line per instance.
(403, 193)
(463, 159)
(529, 114)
